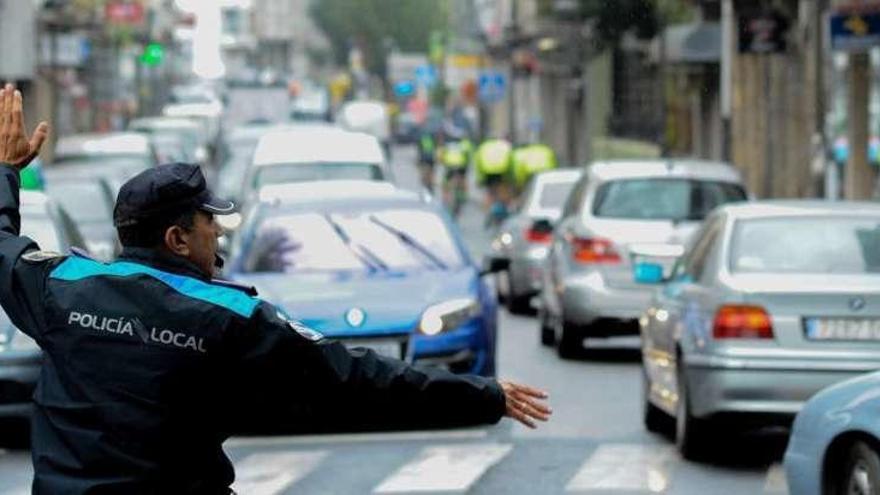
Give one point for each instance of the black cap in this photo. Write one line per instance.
(164, 189)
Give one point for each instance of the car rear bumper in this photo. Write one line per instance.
(586, 299)
(720, 384)
(526, 272)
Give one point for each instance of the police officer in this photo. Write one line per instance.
(149, 364)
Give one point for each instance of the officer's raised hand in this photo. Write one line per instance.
(16, 148)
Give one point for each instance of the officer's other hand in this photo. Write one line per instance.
(16, 148)
(525, 404)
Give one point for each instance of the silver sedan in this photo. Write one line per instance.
(619, 211)
(772, 302)
(524, 237)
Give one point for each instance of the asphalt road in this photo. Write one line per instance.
(594, 444)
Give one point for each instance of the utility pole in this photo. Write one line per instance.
(726, 77)
(511, 96)
(859, 178)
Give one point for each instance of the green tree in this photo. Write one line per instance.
(613, 19)
(375, 25)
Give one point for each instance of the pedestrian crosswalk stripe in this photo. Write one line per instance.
(775, 482)
(271, 473)
(450, 468)
(625, 467)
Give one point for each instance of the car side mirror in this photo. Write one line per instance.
(494, 265)
(648, 273)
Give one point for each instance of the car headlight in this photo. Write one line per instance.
(448, 315)
(21, 342)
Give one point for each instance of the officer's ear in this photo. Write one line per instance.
(177, 240)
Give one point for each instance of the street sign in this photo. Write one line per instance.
(124, 12)
(64, 49)
(762, 31)
(404, 88)
(491, 86)
(426, 75)
(855, 31)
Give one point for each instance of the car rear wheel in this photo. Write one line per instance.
(519, 305)
(570, 343)
(655, 420)
(861, 476)
(548, 335)
(502, 286)
(691, 433)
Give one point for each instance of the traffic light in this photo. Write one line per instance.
(153, 54)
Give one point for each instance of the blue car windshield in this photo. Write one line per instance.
(321, 242)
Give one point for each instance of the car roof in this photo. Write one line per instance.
(558, 175)
(310, 143)
(298, 193)
(692, 169)
(163, 123)
(97, 144)
(803, 207)
(256, 131)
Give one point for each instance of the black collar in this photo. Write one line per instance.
(162, 261)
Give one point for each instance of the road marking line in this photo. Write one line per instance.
(271, 473)
(450, 468)
(462, 434)
(776, 482)
(625, 467)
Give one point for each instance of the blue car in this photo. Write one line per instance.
(835, 441)
(372, 266)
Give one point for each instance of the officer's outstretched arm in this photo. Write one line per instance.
(22, 277)
(294, 373)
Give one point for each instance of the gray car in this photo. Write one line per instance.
(524, 237)
(772, 302)
(50, 226)
(617, 212)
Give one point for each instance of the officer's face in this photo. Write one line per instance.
(199, 244)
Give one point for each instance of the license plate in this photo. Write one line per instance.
(843, 329)
(392, 349)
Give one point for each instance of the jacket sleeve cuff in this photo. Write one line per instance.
(496, 394)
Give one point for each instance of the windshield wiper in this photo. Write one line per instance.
(409, 241)
(367, 257)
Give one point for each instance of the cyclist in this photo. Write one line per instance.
(493, 161)
(529, 160)
(455, 155)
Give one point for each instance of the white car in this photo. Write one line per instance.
(116, 156)
(370, 117)
(190, 132)
(208, 115)
(311, 153)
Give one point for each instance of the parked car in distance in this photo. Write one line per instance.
(833, 448)
(116, 156)
(524, 237)
(193, 137)
(772, 302)
(367, 116)
(616, 212)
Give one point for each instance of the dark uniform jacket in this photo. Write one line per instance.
(149, 367)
